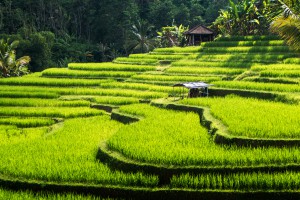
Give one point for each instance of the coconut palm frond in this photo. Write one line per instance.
(287, 25)
(291, 8)
(289, 29)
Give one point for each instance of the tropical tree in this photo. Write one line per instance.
(172, 36)
(9, 65)
(139, 40)
(287, 24)
(247, 17)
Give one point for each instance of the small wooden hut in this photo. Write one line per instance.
(199, 34)
(196, 89)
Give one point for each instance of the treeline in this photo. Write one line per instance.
(56, 32)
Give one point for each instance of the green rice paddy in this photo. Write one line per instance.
(53, 133)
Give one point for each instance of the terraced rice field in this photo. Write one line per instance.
(88, 131)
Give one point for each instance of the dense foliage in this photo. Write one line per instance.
(54, 33)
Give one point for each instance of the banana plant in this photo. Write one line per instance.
(242, 18)
(9, 64)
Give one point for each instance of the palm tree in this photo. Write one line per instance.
(9, 65)
(139, 40)
(287, 25)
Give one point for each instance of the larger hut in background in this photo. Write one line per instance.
(199, 34)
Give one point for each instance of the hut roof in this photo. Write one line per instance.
(199, 30)
(191, 85)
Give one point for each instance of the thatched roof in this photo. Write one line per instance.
(199, 30)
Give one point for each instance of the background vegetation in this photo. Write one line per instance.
(54, 33)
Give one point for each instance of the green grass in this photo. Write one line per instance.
(139, 86)
(193, 63)
(245, 85)
(59, 82)
(244, 43)
(250, 57)
(240, 181)
(192, 49)
(68, 155)
(281, 73)
(30, 195)
(136, 61)
(276, 67)
(26, 122)
(253, 118)
(12, 135)
(177, 139)
(171, 78)
(109, 67)
(292, 61)
(63, 112)
(31, 102)
(254, 49)
(55, 92)
(103, 99)
(62, 72)
(205, 70)
(26, 94)
(157, 56)
(249, 38)
(272, 80)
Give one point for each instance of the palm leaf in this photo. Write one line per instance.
(289, 29)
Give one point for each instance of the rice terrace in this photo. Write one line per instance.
(119, 129)
(104, 100)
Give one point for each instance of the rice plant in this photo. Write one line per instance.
(68, 156)
(253, 57)
(229, 64)
(136, 61)
(32, 102)
(205, 70)
(27, 94)
(112, 100)
(292, 61)
(255, 181)
(109, 67)
(276, 67)
(42, 81)
(171, 78)
(177, 139)
(62, 72)
(17, 90)
(62, 112)
(26, 122)
(281, 73)
(157, 56)
(253, 118)
(273, 87)
(193, 49)
(244, 49)
(139, 86)
(244, 43)
(30, 195)
(248, 38)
